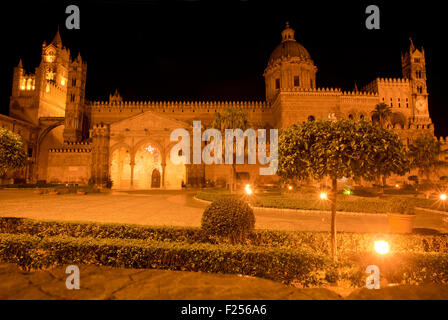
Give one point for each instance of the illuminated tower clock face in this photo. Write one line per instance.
(420, 104)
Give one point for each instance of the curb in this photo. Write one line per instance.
(285, 210)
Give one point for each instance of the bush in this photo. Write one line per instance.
(229, 218)
(299, 257)
(310, 240)
(277, 264)
(413, 178)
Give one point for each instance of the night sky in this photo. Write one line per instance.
(194, 50)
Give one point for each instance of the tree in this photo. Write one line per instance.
(12, 151)
(381, 113)
(338, 149)
(231, 118)
(424, 153)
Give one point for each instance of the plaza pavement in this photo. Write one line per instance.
(106, 283)
(179, 208)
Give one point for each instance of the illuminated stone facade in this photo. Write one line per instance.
(73, 140)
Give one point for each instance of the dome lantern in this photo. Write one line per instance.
(288, 33)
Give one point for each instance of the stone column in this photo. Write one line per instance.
(132, 171)
(163, 174)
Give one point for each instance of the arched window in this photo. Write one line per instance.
(311, 118)
(350, 116)
(361, 117)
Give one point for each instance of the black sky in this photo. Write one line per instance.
(197, 50)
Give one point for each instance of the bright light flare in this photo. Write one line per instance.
(397, 186)
(443, 197)
(381, 246)
(248, 189)
(323, 196)
(290, 188)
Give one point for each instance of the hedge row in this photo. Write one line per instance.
(315, 241)
(351, 203)
(279, 264)
(300, 267)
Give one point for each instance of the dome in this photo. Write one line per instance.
(289, 47)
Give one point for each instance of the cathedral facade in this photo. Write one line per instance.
(72, 140)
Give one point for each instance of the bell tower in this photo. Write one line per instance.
(75, 120)
(414, 69)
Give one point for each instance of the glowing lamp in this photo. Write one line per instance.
(381, 247)
(290, 188)
(347, 192)
(323, 196)
(248, 189)
(397, 186)
(443, 197)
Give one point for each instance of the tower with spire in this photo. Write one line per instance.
(414, 69)
(55, 89)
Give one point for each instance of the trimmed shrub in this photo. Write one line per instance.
(228, 218)
(315, 241)
(279, 264)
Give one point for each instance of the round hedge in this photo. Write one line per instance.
(230, 218)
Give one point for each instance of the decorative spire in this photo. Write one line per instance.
(57, 38)
(20, 63)
(356, 87)
(288, 33)
(412, 44)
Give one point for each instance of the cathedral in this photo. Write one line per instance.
(127, 143)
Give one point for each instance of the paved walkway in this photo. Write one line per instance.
(178, 208)
(123, 284)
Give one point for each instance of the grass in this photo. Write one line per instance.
(367, 201)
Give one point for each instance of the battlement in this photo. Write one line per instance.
(442, 140)
(360, 94)
(148, 105)
(70, 150)
(393, 80)
(331, 91)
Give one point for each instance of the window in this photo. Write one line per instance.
(416, 60)
(30, 152)
(311, 118)
(277, 83)
(296, 81)
(361, 117)
(350, 116)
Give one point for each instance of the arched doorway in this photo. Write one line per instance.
(148, 167)
(155, 178)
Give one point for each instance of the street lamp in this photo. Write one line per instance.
(290, 188)
(323, 196)
(443, 197)
(381, 246)
(248, 189)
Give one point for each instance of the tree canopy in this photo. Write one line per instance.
(424, 153)
(340, 149)
(231, 118)
(381, 113)
(12, 152)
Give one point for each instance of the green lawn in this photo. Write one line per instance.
(310, 200)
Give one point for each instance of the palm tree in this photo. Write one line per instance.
(382, 112)
(424, 153)
(231, 118)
